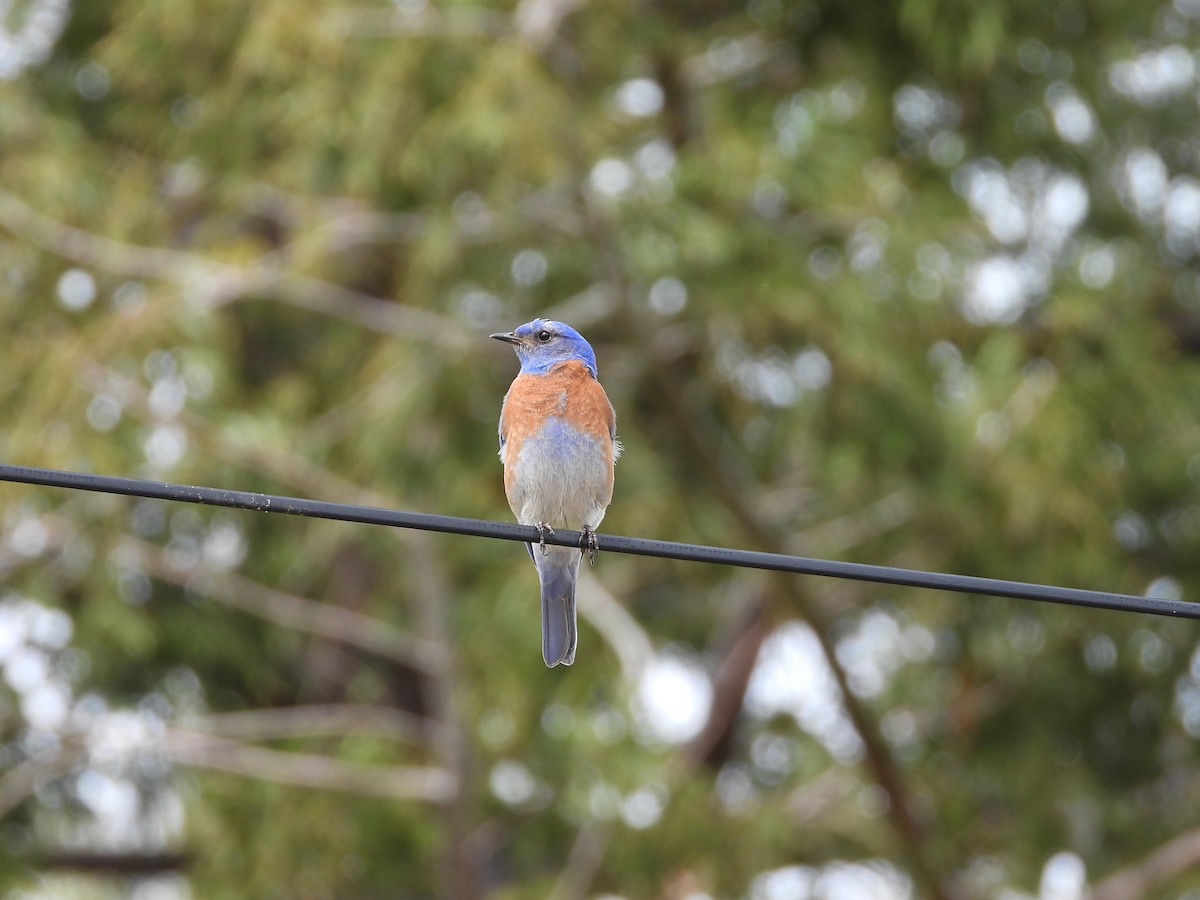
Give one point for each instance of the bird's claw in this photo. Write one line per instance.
(588, 544)
(543, 529)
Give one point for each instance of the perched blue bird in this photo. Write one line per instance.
(558, 443)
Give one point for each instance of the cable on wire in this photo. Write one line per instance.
(800, 565)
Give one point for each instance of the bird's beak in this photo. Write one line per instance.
(509, 337)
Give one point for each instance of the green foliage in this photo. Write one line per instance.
(911, 284)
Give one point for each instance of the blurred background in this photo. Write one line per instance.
(912, 283)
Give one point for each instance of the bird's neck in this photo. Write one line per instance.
(546, 367)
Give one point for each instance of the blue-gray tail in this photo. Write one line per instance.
(557, 571)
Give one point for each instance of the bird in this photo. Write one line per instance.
(558, 444)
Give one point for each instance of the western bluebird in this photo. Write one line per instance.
(558, 443)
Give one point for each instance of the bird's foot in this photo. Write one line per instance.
(588, 544)
(543, 529)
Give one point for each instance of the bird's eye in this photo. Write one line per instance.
(544, 336)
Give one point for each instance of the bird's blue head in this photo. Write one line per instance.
(544, 343)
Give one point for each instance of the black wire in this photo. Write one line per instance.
(802, 565)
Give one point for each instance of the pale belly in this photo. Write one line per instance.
(561, 478)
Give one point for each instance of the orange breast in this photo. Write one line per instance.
(567, 391)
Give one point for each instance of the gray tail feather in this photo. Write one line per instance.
(558, 609)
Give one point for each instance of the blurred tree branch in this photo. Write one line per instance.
(538, 21)
(42, 768)
(328, 621)
(583, 860)
(126, 865)
(205, 751)
(737, 659)
(533, 22)
(1178, 855)
(422, 20)
(736, 58)
(832, 537)
(325, 720)
(218, 283)
(628, 640)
